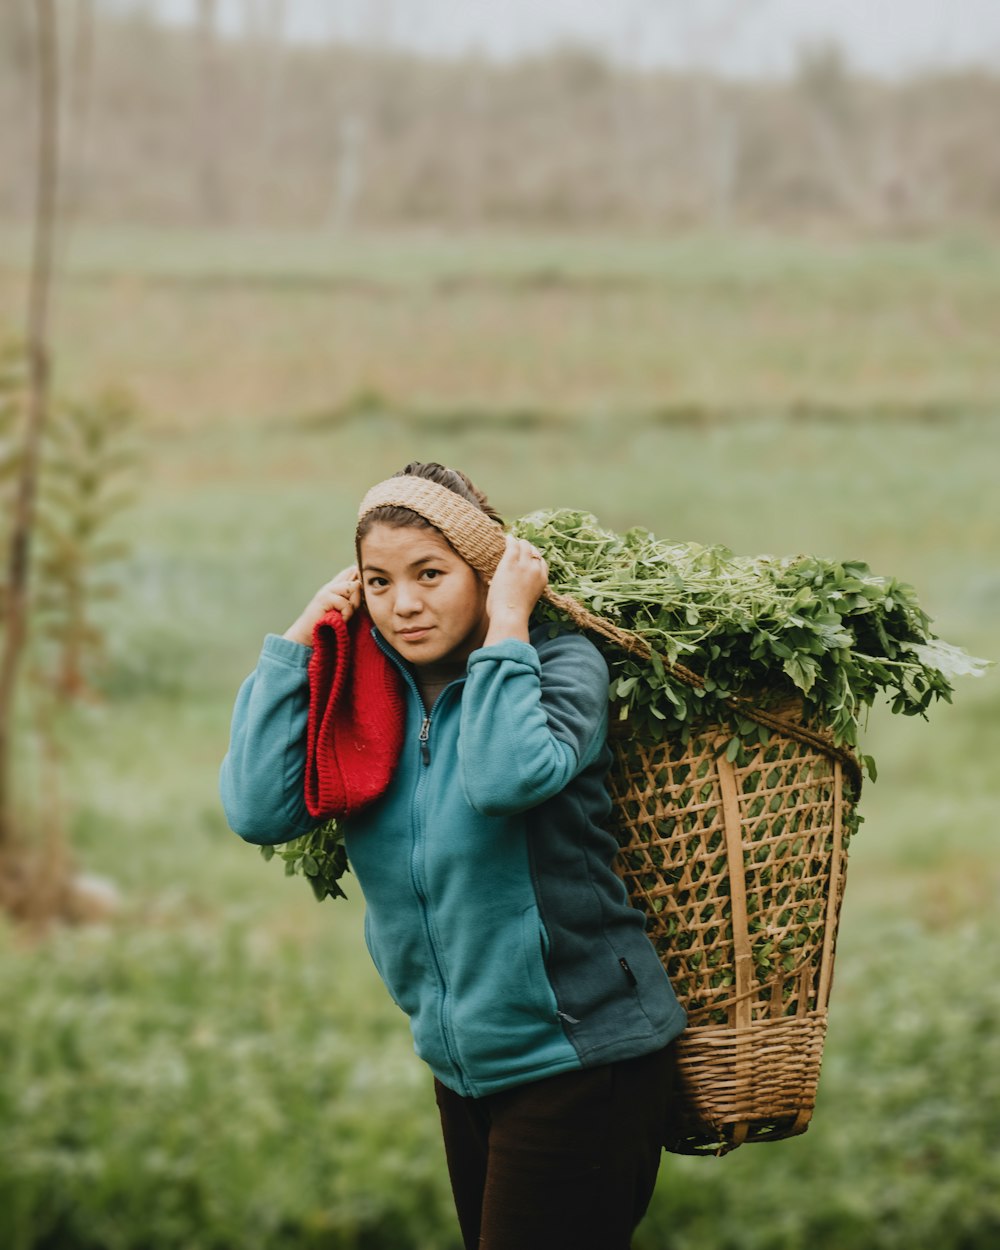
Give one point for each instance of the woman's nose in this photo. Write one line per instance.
(407, 600)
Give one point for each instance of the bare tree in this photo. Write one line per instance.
(360, 130)
(717, 124)
(829, 94)
(79, 99)
(15, 618)
(354, 122)
(208, 122)
(264, 35)
(629, 119)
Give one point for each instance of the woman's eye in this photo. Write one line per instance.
(432, 574)
(375, 583)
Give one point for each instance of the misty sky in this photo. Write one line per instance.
(740, 36)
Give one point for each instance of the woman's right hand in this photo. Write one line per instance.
(342, 593)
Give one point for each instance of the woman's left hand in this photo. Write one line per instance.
(519, 580)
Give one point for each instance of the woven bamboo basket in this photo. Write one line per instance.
(740, 870)
(739, 867)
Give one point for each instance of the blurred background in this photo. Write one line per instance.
(729, 270)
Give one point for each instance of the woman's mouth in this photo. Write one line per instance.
(414, 635)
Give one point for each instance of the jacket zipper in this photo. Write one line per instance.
(418, 833)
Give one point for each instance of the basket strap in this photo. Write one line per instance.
(833, 893)
(635, 644)
(743, 957)
(741, 1016)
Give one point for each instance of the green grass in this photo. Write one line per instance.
(230, 327)
(219, 1068)
(428, 256)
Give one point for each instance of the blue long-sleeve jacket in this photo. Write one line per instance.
(492, 911)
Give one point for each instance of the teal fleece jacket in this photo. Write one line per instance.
(493, 914)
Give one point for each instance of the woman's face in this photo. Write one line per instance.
(423, 597)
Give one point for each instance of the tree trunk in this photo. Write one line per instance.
(208, 123)
(16, 608)
(78, 93)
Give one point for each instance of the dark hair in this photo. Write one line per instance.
(453, 479)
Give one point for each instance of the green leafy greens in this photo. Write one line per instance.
(763, 629)
(319, 856)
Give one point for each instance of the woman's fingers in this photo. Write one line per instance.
(520, 578)
(525, 556)
(342, 593)
(536, 555)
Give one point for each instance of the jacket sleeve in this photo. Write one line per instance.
(532, 719)
(262, 776)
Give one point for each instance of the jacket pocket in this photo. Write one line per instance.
(369, 942)
(535, 948)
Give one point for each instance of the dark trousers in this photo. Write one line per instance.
(565, 1163)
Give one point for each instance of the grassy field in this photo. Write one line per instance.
(230, 328)
(219, 1068)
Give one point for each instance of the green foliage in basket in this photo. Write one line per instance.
(762, 628)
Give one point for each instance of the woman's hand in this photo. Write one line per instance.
(342, 592)
(519, 580)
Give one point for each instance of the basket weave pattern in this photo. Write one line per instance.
(740, 870)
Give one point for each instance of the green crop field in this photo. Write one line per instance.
(218, 1068)
(236, 327)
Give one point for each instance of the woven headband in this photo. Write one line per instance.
(478, 540)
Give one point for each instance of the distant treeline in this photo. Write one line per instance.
(181, 125)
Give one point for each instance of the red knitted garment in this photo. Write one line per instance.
(356, 717)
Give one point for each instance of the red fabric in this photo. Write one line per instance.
(356, 716)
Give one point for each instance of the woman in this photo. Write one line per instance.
(493, 914)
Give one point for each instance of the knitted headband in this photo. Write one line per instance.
(478, 540)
